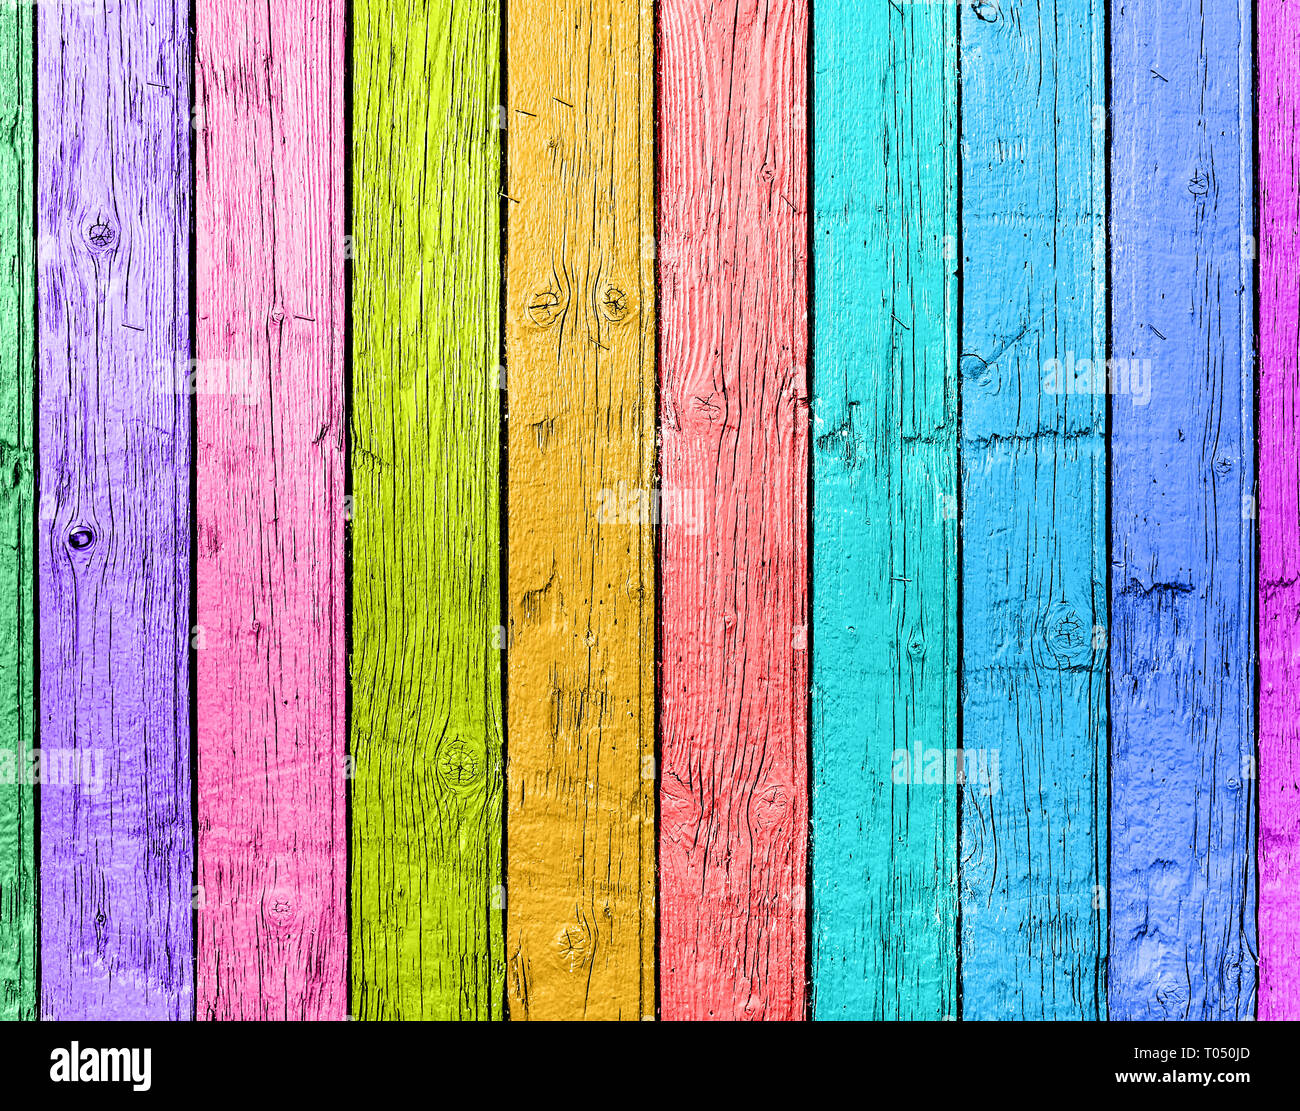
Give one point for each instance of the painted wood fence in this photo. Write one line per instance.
(613, 510)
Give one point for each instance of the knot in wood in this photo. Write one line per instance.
(1067, 636)
(459, 764)
(101, 235)
(615, 304)
(573, 947)
(81, 537)
(544, 308)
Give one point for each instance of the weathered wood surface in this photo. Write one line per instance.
(17, 556)
(884, 557)
(272, 926)
(580, 346)
(1033, 472)
(425, 672)
(1182, 897)
(733, 513)
(113, 215)
(1279, 509)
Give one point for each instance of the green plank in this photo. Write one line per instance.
(17, 710)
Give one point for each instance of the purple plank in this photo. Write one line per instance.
(113, 543)
(1182, 817)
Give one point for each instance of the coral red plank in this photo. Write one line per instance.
(733, 517)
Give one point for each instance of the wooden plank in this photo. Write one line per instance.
(580, 361)
(17, 557)
(1033, 470)
(1279, 510)
(885, 665)
(116, 845)
(733, 513)
(426, 726)
(272, 923)
(1182, 902)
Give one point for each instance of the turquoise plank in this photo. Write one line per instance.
(884, 723)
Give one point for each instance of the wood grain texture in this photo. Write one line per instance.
(1279, 509)
(116, 846)
(733, 514)
(17, 556)
(1033, 470)
(580, 363)
(427, 924)
(1182, 888)
(885, 663)
(272, 923)
(426, 726)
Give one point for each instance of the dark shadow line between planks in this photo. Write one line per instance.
(810, 378)
(192, 576)
(1256, 194)
(349, 10)
(1104, 969)
(503, 484)
(959, 295)
(656, 479)
(34, 401)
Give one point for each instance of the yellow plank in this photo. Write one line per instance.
(580, 365)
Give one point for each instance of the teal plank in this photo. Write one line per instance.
(884, 723)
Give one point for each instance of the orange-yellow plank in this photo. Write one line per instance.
(580, 372)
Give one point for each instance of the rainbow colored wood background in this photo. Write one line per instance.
(610, 510)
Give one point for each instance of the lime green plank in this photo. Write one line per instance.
(425, 672)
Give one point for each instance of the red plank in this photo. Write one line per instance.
(733, 516)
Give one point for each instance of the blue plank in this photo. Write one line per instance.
(1033, 471)
(1182, 932)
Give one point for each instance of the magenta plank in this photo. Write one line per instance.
(1279, 511)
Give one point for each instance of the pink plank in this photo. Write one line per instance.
(272, 931)
(1279, 511)
(733, 408)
